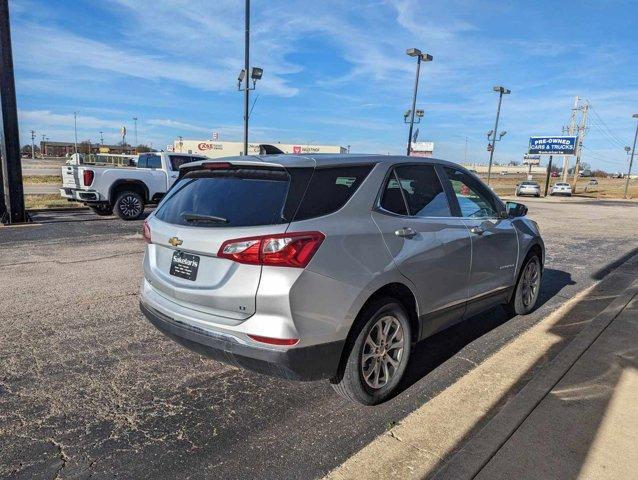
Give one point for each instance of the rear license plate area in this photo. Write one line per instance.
(184, 265)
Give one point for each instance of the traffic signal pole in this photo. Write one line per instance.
(11, 192)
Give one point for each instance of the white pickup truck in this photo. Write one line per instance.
(124, 189)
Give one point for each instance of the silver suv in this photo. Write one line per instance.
(331, 266)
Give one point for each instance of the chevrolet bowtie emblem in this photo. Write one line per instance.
(176, 242)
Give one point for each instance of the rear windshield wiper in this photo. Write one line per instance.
(196, 217)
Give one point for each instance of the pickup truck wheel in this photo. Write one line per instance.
(377, 359)
(102, 210)
(129, 205)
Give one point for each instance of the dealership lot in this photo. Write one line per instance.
(89, 388)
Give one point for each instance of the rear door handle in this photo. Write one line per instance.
(477, 230)
(406, 232)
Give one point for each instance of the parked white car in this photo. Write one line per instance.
(528, 188)
(561, 188)
(124, 189)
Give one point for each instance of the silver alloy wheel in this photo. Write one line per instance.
(530, 282)
(130, 206)
(382, 351)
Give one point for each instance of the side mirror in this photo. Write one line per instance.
(515, 209)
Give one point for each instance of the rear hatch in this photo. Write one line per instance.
(204, 209)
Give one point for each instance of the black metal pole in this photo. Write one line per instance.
(416, 88)
(246, 67)
(549, 171)
(12, 205)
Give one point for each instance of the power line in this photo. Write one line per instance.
(611, 133)
(611, 140)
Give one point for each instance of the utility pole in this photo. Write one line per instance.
(582, 129)
(32, 143)
(11, 191)
(501, 91)
(75, 130)
(631, 161)
(44, 137)
(465, 156)
(570, 131)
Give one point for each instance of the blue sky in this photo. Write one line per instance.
(335, 72)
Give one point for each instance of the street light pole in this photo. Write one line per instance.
(631, 160)
(501, 91)
(415, 52)
(246, 67)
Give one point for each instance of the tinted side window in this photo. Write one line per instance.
(177, 160)
(149, 160)
(154, 161)
(329, 190)
(474, 200)
(392, 199)
(423, 191)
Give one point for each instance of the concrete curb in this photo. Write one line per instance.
(470, 460)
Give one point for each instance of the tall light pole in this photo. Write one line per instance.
(501, 91)
(75, 130)
(420, 56)
(631, 159)
(102, 138)
(44, 137)
(255, 74)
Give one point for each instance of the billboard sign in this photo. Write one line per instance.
(559, 145)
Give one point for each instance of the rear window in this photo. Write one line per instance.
(250, 197)
(238, 198)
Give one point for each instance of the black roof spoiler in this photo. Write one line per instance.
(265, 149)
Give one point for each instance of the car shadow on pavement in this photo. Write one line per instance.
(432, 352)
(557, 439)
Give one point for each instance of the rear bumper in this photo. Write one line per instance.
(90, 196)
(303, 363)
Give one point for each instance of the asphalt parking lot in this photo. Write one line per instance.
(88, 388)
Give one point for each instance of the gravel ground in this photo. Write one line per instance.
(88, 388)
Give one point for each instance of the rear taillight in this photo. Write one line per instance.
(146, 232)
(88, 176)
(275, 341)
(282, 250)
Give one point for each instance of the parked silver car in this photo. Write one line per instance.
(528, 188)
(332, 266)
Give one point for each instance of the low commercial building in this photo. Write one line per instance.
(215, 149)
(65, 149)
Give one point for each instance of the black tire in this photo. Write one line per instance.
(352, 385)
(129, 205)
(520, 304)
(102, 210)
